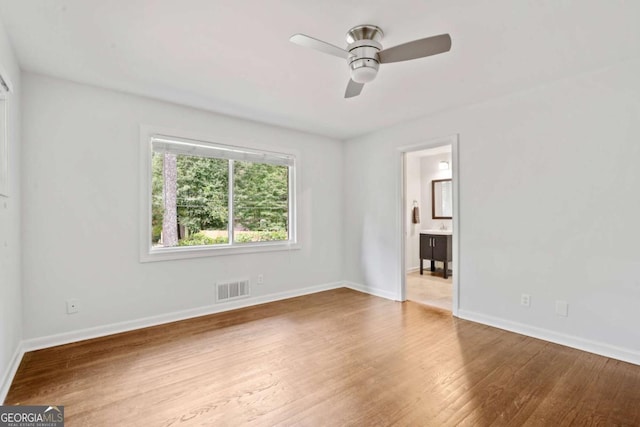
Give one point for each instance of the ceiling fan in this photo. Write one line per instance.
(364, 53)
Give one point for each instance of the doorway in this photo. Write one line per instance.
(430, 224)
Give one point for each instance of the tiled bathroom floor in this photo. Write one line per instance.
(429, 289)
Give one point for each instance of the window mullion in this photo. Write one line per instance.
(230, 204)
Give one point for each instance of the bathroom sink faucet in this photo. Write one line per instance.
(443, 226)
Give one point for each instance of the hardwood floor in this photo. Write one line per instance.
(430, 289)
(334, 358)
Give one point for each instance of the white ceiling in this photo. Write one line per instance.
(234, 57)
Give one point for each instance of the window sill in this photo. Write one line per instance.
(188, 252)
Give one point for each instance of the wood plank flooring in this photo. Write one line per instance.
(333, 358)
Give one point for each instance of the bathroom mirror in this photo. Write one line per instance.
(441, 199)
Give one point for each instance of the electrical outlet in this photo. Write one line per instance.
(525, 300)
(562, 308)
(73, 305)
(260, 279)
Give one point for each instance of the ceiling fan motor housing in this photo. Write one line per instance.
(363, 52)
(363, 60)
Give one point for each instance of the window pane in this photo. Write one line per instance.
(260, 202)
(189, 200)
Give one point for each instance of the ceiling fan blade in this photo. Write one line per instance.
(306, 41)
(353, 89)
(416, 49)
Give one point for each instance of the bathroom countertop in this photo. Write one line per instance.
(438, 232)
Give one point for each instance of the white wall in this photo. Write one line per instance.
(81, 160)
(413, 193)
(10, 223)
(549, 206)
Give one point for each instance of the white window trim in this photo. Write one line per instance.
(4, 142)
(149, 254)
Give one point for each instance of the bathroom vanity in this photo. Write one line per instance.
(435, 245)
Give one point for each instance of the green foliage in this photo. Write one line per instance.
(198, 239)
(260, 199)
(260, 236)
(261, 196)
(202, 193)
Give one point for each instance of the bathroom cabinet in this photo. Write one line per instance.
(435, 247)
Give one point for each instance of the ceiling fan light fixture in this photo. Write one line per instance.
(364, 70)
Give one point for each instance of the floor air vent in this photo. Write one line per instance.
(232, 290)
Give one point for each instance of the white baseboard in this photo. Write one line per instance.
(372, 291)
(602, 349)
(130, 325)
(11, 372)
(412, 269)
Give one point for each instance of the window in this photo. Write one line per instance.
(207, 199)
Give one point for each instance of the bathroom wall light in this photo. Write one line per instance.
(443, 166)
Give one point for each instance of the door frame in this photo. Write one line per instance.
(402, 212)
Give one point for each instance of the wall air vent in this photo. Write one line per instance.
(229, 291)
